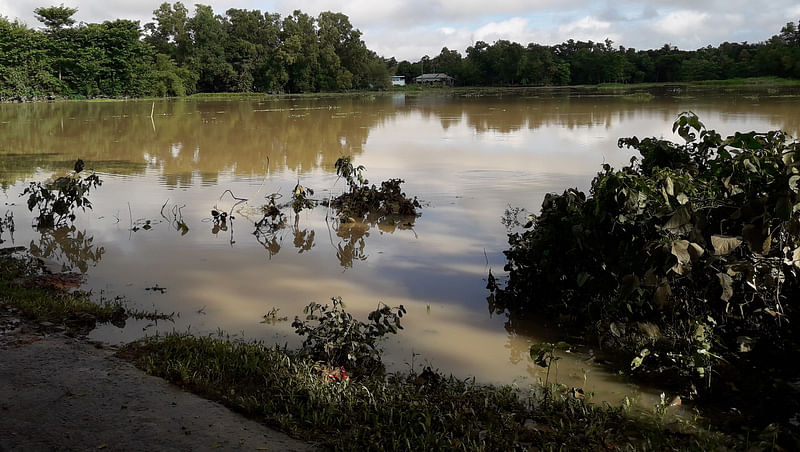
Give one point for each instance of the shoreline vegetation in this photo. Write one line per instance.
(633, 91)
(416, 410)
(183, 52)
(335, 389)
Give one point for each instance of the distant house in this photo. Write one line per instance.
(398, 80)
(434, 79)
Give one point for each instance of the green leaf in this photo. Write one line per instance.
(794, 183)
(639, 359)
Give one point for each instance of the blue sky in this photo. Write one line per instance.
(411, 29)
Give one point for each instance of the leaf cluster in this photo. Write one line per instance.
(692, 252)
(339, 339)
(363, 200)
(56, 201)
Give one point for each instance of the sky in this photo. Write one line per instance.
(413, 28)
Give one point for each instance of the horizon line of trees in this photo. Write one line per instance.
(507, 63)
(250, 51)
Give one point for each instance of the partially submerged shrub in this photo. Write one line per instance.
(339, 339)
(687, 258)
(362, 200)
(56, 201)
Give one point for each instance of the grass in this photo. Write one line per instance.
(409, 411)
(750, 81)
(734, 82)
(25, 286)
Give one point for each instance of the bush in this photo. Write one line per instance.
(57, 201)
(685, 260)
(338, 339)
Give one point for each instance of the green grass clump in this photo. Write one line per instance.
(22, 286)
(402, 411)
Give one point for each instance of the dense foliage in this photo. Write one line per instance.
(371, 204)
(335, 337)
(250, 51)
(57, 201)
(576, 62)
(688, 260)
(177, 54)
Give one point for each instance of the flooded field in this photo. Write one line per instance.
(151, 238)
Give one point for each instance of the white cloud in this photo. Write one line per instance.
(680, 23)
(409, 29)
(513, 29)
(585, 29)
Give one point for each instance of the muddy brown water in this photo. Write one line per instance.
(466, 157)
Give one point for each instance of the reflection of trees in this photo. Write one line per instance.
(188, 137)
(192, 137)
(69, 247)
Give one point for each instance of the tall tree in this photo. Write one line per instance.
(55, 17)
(207, 54)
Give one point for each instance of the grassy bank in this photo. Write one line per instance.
(735, 82)
(44, 297)
(753, 82)
(412, 411)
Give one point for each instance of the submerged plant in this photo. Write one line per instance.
(56, 201)
(300, 198)
(686, 262)
(362, 201)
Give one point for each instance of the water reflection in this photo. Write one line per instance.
(352, 247)
(68, 247)
(253, 138)
(7, 227)
(467, 158)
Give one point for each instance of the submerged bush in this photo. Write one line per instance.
(687, 259)
(56, 201)
(364, 202)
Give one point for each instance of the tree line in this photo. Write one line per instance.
(180, 53)
(243, 50)
(578, 63)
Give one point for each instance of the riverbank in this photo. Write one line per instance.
(89, 398)
(764, 83)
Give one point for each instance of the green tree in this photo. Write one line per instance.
(169, 34)
(55, 17)
(300, 52)
(25, 63)
(207, 55)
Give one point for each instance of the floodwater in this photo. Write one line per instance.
(150, 235)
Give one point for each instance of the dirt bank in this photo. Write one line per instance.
(63, 393)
